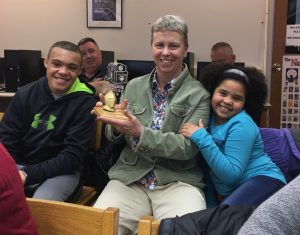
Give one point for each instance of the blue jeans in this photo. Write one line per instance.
(254, 191)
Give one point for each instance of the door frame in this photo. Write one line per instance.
(278, 50)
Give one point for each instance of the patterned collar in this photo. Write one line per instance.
(159, 100)
(155, 84)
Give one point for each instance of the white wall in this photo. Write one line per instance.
(36, 24)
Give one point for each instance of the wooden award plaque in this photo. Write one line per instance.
(109, 110)
(115, 114)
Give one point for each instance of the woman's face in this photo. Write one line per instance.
(168, 51)
(228, 100)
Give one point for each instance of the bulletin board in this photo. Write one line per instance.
(290, 112)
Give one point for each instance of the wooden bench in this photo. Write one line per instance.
(87, 196)
(148, 226)
(61, 218)
(96, 136)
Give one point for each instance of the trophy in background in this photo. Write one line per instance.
(118, 76)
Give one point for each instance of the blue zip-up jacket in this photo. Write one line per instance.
(234, 152)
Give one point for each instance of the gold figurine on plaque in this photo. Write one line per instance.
(110, 101)
(117, 76)
(109, 110)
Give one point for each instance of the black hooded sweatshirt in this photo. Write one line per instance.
(49, 137)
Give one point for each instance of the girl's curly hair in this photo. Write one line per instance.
(257, 93)
(256, 87)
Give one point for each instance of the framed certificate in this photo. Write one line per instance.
(104, 13)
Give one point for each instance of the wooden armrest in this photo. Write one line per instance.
(148, 226)
(53, 218)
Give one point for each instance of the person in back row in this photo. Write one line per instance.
(157, 173)
(222, 52)
(47, 126)
(93, 70)
(241, 172)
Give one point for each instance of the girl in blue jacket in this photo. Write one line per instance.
(241, 172)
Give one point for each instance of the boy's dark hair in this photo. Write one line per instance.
(69, 46)
(256, 87)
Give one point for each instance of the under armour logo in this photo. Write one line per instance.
(48, 123)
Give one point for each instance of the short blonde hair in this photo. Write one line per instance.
(171, 23)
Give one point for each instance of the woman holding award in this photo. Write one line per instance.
(157, 173)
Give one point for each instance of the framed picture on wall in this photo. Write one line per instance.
(104, 13)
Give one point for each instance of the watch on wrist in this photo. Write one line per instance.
(24, 174)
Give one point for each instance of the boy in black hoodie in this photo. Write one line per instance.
(47, 125)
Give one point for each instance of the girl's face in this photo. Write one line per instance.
(228, 100)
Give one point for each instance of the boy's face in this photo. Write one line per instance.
(63, 67)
